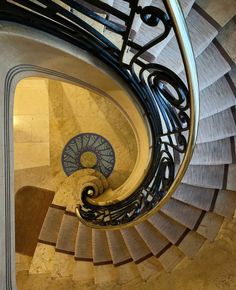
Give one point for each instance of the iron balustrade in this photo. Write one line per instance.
(172, 108)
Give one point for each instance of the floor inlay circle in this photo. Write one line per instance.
(88, 150)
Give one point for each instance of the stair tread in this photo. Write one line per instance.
(215, 7)
(208, 64)
(101, 251)
(128, 274)
(201, 34)
(196, 196)
(119, 252)
(227, 38)
(210, 225)
(231, 177)
(232, 75)
(213, 153)
(150, 268)
(181, 212)
(209, 176)
(121, 6)
(225, 203)
(191, 244)
(153, 239)
(222, 202)
(169, 228)
(135, 244)
(171, 258)
(83, 251)
(217, 97)
(137, 22)
(67, 234)
(219, 126)
(51, 225)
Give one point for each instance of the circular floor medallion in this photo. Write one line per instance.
(88, 150)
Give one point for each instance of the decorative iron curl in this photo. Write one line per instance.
(144, 199)
(151, 16)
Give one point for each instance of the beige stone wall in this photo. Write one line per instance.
(31, 124)
(75, 110)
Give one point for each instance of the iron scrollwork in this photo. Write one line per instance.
(161, 93)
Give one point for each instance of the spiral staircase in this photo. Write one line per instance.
(70, 250)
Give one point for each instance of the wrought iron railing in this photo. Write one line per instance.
(171, 107)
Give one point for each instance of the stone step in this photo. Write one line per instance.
(218, 97)
(42, 262)
(128, 274)
(227, 39)
(23, 262)
(210, 225)
(150, 268)
(214, 153)
(185, 214)
(211, 176)
(119, 252)
(169, 228)
(137, 19)
(211, 66)
(171, 258)
(153, 239)
(215, 7)
(201, 33)
(101, 251)
(225, 203)
(216, 127)
(232, 75)
(191, 244)
(31, 206)
(222, 202)
(231, 177)
(67, 234)
(104, 270)
(135, 244)
(83, 250)
(51, 226)
(198, 197)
